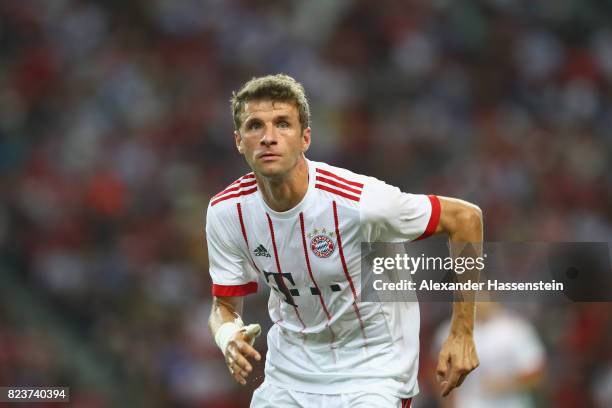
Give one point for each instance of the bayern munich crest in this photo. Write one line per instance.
(321, 243)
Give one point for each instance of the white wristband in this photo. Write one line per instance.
(224, 334)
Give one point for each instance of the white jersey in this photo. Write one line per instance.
(323, 339)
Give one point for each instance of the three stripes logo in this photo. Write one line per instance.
(261, 251)
(332, 183)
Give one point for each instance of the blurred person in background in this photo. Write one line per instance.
(298, 226)
(512, 361)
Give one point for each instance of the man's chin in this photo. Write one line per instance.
(271, 170)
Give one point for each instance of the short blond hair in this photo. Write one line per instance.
(279, 87)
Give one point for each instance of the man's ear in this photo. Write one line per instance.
(306, 133)
(238, 140)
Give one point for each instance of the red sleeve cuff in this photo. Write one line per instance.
(234, 290)
(434, 218)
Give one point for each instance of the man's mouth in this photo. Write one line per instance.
(268, 155)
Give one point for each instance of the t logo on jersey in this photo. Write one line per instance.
(282, 287)
(321, 242)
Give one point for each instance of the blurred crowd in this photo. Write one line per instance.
(115, 131)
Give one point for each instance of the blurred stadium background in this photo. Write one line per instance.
(115, 130)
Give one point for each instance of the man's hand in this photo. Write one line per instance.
(237, 354)
(231, 335)
(457, 359)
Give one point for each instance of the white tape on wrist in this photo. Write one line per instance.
(224, 334)
(228, 330)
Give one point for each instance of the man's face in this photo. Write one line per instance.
(271, 138)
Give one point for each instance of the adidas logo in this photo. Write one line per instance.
(261, 251)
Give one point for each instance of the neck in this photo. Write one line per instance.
(284, 193)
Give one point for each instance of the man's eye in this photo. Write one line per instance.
(283, 124)
(253, 125)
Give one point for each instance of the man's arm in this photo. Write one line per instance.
(462, 222)
(234, 340)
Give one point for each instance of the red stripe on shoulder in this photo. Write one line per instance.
(234, 195)
(244, 180)
(337, 184)
(235, 187)
(246, 177)
(330, 174)
(234, 290)
(434, 218)
(337, 192)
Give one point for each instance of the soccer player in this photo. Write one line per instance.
(297, 226)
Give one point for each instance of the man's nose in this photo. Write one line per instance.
(269, 136)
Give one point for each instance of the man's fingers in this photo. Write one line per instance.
(238, 357)
(237, 374)
(442, 367)
(237, 353)
(454, 380)
(242, 363)
(247, 350)
(236, 371)
(461, 379)
(457, 359)
(450, 383)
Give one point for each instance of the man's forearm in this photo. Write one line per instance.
(466, 241)
(223, 311)
(462, 321)
(462, 222)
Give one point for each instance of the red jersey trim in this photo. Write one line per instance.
(310, 269)
(330, 174)
(346, 272)
(246, 177)
(278, 267)
(238, 194)
(236, 187)
(244, 235)
(243, 178)
(337, 184)
(434, 218)
(337, 192)
(234, 290)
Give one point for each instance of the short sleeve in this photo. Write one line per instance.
(390, 215)
(230, 273)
